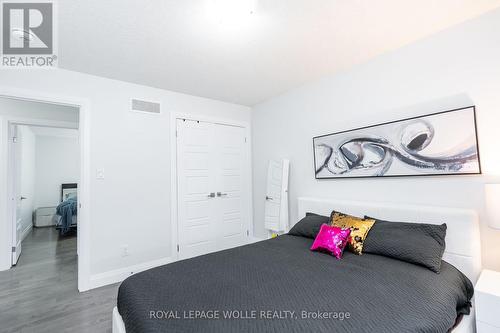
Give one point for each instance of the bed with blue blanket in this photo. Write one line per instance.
(67, 210)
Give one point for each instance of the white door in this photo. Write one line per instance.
(211, 191)
(196, 179)
(15, 192)
(231, 193)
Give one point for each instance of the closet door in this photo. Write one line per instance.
(212, 193)
(232, 196)
(196, 186)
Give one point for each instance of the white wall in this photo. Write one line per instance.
(57, 162)
(27, 140)
(455, 68)
(131, 206)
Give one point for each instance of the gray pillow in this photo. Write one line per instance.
(309, 226)
(416, 243)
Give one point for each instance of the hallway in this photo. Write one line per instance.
(40, 294)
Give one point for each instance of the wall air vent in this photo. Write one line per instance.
(145, 106)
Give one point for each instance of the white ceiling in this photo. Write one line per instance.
(219, 49)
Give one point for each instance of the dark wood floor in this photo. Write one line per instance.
(40, 294)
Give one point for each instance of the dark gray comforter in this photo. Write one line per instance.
(278, 276)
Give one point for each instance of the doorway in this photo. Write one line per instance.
(43, 177)
(44, 164)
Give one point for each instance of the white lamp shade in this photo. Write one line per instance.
(492, 197)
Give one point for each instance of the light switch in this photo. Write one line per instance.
(99, 174)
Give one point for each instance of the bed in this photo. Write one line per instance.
(67, 211)
(279, 285)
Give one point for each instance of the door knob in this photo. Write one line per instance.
(268, 198)
(23, 198)
(211, 195)
(219, 194)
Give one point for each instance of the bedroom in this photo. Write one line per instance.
(267, 77)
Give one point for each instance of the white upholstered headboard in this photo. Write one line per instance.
(463, 247)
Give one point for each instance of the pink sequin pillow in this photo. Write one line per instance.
(332, 240)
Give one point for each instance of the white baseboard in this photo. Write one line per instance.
(253, 239)
(118, 275)
(26, 232)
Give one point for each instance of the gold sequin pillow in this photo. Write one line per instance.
(359, 229)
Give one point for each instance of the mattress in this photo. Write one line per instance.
(278, 285)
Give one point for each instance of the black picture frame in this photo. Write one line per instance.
(473, 107)
(68, 186)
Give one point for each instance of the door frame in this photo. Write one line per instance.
(83, 227)
(13, 171)
(174, 116)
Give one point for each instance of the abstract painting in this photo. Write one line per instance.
(443, 143)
